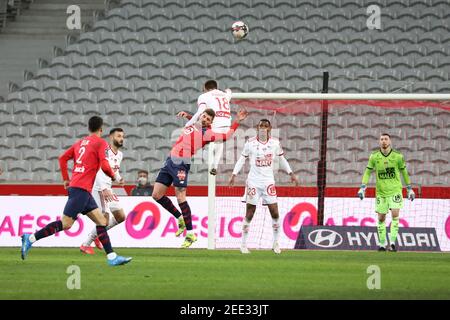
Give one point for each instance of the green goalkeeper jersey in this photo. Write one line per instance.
(387, 169)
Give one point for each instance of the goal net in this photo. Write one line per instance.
(342, 132)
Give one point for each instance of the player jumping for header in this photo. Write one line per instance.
(219, 101)
(260, 181)
(388, 164)
(89, 155)
(176, 168)
(103, 194)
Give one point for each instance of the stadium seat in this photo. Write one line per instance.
(68, 110)
(33, 155)
(406, 146)
(31, 120)
(431, 146)
(42, 166)
(18, 166)
(55, 121)
(49, 143)
(6, 143)
(17, 132)
(40, 132)
(63, 132)
(10, 154)
(346, 135)
(25, 143)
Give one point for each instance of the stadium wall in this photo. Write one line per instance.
(148, 225)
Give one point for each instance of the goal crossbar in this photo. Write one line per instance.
(340, 96)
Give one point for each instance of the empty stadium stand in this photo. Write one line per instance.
(147, 59)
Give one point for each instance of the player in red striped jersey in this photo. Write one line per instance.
(89, 155)
(176, 168)
(219, 101)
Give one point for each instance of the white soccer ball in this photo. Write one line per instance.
(239, 30)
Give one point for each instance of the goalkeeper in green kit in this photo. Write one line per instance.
(388, 165)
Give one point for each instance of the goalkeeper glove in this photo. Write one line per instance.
(362, 191)
(411, 194)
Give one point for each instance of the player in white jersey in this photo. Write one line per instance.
(219, 101)
(261, 150)
(102, 191)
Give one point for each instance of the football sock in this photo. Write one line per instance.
(112, 223)
(186, 211)
(48, 230)
(245, 231)
(168, 205)
(104, 239)
(276, 228)
(111, 256)
(381, 226)
(91, 237)
(93, 234)
(394, 230)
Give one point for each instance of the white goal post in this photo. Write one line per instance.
(301, 96)
(340, 96)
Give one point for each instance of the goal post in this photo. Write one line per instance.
(340, 96)
(296, 120)
(211, 198)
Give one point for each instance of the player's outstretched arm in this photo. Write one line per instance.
(211, 136)
(193, 119)
(184, 114)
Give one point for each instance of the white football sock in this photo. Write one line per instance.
(32, 238)
(93, 234)
(276, 230)
(245, 231)
(91, 237)
(111, 256)
(112, 223)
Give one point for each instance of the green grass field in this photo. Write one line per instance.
(204, 274)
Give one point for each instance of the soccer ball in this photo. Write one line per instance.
(239, 30)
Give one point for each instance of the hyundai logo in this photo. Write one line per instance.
(325, 238)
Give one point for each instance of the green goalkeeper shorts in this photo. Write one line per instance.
(383, 204)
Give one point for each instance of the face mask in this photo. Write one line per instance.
(142, 180)
(262, 134)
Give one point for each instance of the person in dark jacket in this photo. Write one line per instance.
(143, 188)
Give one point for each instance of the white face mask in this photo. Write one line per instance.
(263, 134)
(142, 180)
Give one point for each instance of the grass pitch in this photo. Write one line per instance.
(203, 274)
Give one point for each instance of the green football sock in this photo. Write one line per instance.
(381, 226)
(394, 230)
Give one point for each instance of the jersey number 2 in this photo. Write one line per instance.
(81, 153)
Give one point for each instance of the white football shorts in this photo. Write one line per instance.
(106, 207)
(262, 190)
